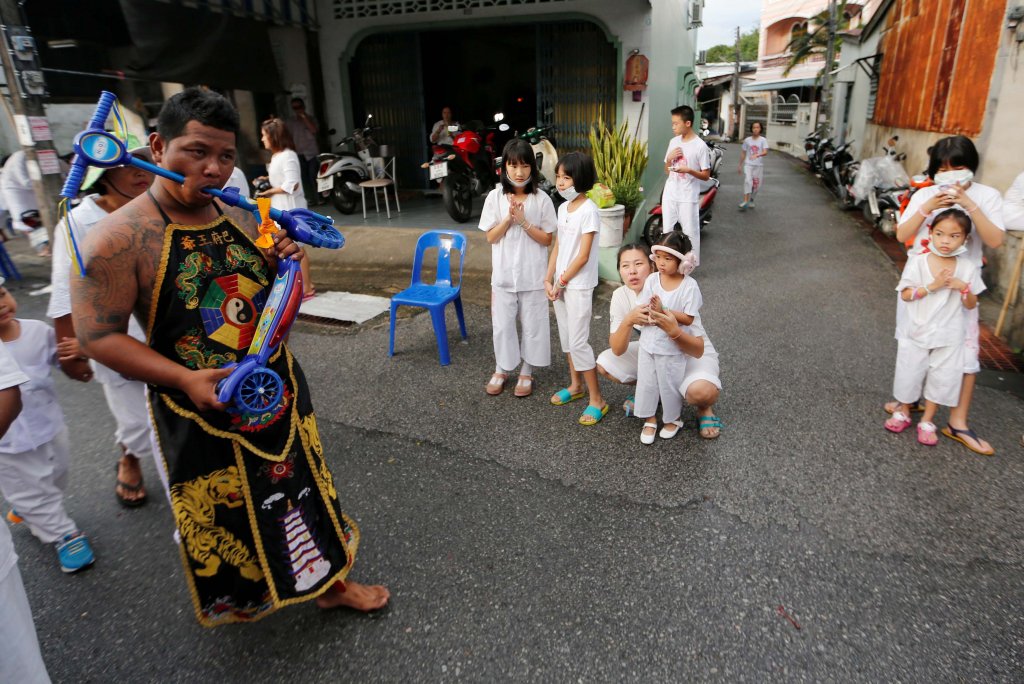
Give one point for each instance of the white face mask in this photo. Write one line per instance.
(962, 249)
(569, 194)
(959, 177)
(519, 184)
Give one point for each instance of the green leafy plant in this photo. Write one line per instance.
(620, 160)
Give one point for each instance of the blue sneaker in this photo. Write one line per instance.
(74, 552)
(743, 206)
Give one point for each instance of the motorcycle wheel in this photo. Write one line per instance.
(343, 199)
(652, 230)
(458, 198)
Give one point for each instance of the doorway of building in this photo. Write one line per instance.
(405, 79)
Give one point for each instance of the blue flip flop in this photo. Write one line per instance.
(564, 397)
(592, 415)
(704, 422)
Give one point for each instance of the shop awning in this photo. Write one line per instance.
(779, 84)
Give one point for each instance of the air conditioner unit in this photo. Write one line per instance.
(702, 57)
(696, 11)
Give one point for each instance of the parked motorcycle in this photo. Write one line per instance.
(339, 174)
(547, 155)
(838, 173)
(466, 168)
(814, 145)
(880, 184)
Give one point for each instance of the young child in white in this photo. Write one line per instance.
(661, 364)
(755, 146)
(687, 162)
(519, 221)
(939, 285)
(571, 279)
(34, 454)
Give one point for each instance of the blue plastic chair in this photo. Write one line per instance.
(434, 297)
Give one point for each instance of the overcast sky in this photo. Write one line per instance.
(721, 17)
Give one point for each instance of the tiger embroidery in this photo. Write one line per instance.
(207, 544)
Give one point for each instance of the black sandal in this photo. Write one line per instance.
(129, 503)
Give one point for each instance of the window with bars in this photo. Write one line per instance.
(873, 87)
(361, 9)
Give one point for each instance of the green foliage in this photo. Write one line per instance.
(815, 39)
(620, 161)
(727, 53)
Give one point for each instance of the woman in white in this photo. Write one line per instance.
(952, 164)
(519, 222)
(284, 173)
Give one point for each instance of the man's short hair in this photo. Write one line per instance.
(196, 104)
(684, 112)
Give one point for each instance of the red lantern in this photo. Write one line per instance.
(636, 74)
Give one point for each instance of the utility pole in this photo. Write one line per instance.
(825, 113)
(27, 91)
(736, 91)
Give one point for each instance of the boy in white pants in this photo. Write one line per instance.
(687, 163)
(34, 454)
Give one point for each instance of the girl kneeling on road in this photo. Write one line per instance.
(519, 221)
(571, 279)
(701, 383)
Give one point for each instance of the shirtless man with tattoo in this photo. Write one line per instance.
(162, 257)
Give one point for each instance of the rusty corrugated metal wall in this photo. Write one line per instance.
(938, 57)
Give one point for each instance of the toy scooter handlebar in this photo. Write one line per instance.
(76, 174)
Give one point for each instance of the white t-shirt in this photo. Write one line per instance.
(755, 150)
(16, 186)
(10, 376)
(571, 228)
(35, 352)
(518, 262)
(83, 217)
(1013, 205)
(685, 299)
(623, 301)
(989, 201)
(939, 319)
(285, 172)
(683, 187)
(238, 180)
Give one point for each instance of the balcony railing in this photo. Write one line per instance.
(783, 60)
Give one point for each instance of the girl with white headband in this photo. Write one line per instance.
(571, 279)
(661, 366)
(519, 222)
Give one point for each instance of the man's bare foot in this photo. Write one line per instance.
(130, 490)
(362, 597)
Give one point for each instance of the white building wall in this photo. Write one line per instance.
(628, 22)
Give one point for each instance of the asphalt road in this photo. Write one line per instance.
(521, 546)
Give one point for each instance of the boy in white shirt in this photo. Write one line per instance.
(687, 162)
(34, 454)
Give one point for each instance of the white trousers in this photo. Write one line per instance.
(573, 311)
(33, 483)
(687, 215)
(659, 376)
(938, 371)
(621, 367)
(753, 177)
(532, 310)
(127, 403)
(20, 660)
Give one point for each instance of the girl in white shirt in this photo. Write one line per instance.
(661, 364)
(952, 164)
(571, 279)
(938, 285)
(35, 452)
(519, 222)
(285, 176)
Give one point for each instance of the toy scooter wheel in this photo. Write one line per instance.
(326, 236)
(652, 230)
(260, 391)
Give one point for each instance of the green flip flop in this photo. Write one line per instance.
(593, 415)
(563, 397)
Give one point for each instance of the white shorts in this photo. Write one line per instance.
(622, 367)
(939, 372)
(33, 483)
(687, 215)
(704, 368)
(573, 312)
(970, 351)
(753, 178)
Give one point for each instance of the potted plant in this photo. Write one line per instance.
(620, 160)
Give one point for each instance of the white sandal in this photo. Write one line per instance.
(648, 438)
(669, 434)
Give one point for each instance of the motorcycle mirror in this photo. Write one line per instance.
(503, 127)
(499, 117)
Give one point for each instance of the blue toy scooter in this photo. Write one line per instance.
(251, 387)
